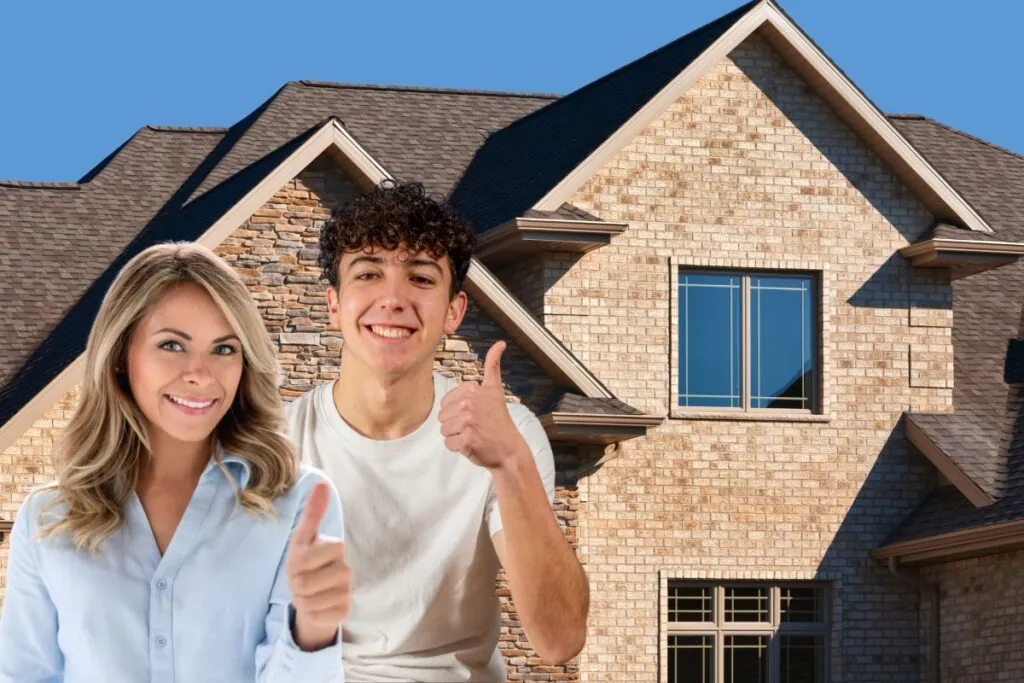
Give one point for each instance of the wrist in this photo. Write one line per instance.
(310, 637)
(514, 467)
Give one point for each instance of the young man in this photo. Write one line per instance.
(440, 481)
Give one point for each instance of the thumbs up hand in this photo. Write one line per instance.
(318, 578)
(475, 420)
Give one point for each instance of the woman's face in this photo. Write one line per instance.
(184, 365)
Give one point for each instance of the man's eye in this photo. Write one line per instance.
(366, 276)
(170, 345)
(422, 280)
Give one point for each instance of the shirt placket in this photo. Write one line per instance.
(163, 583)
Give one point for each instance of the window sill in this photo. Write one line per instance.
(748, 417)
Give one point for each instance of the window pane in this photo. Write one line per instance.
(802, 605)
(802, 659)
(709, 340)
(746, 659)
(689, 659)
(746, 604)
(690, 604)
(781, 342)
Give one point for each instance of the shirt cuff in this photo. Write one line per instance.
(323, 665)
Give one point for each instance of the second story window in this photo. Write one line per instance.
(747, 341)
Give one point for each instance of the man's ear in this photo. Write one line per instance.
(456, 312)
(333, 307)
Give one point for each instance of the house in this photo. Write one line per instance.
(774, 334)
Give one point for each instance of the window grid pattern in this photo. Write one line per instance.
(747, 632)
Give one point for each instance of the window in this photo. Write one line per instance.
(747, 341)
(747, 633)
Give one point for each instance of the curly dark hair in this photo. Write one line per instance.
(396, 214)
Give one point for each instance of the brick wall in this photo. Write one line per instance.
(750, 169)
(28, 463)
(981, 608)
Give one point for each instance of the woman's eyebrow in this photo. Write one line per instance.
(188, 337)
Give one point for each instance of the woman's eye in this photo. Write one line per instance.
(170, 345)
(225, 350)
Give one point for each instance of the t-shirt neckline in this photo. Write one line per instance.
(329, 411)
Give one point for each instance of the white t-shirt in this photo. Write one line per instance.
(418, 525)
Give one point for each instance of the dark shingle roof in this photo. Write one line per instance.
(520, 164)
(566, 212)
(971, 448)
(582, 405)
(54, 242)
(415, 133)
(945, 231)
(987, 309)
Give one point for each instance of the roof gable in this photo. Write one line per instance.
(541, 161)
(518, 165)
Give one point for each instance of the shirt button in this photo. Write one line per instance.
(161, 584)
(161, 641)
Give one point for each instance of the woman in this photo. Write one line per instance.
(180, 541)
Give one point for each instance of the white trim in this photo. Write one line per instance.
(369, 166)
(500, 304)
(44, 400)
(491, 295)
(946, 198)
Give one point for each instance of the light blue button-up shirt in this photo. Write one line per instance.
(214, 608)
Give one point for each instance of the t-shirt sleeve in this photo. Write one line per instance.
(537, 439)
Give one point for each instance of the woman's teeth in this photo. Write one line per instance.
(190, 404)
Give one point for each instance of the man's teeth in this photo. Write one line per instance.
(190, 404)
(392, 332)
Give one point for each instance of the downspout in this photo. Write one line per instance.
(934, 634)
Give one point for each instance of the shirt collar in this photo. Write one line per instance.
(239, 467)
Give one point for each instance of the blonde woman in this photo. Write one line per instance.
(181, 541)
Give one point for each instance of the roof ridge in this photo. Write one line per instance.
(731, 16)
(187, 129)
(28, 184)
(424, 89)
(975, 138)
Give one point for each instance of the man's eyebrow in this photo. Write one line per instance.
(375, 260)
(412, 263)
(425, 262)
(188, 337)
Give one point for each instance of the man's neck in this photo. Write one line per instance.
(383, 408)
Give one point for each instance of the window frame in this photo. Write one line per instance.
(746, 409)
(775, 629)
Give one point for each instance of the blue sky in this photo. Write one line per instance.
(80, 78)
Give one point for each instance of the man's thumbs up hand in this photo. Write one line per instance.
(317, 576)
(475, 420)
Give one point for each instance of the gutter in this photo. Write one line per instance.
(934, 633)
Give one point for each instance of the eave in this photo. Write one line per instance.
(956, 545)
(962, 257)
(523, 236)
(596, 429)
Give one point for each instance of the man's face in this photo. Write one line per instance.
(392, 308)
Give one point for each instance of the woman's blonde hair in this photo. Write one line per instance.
(104, 442)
